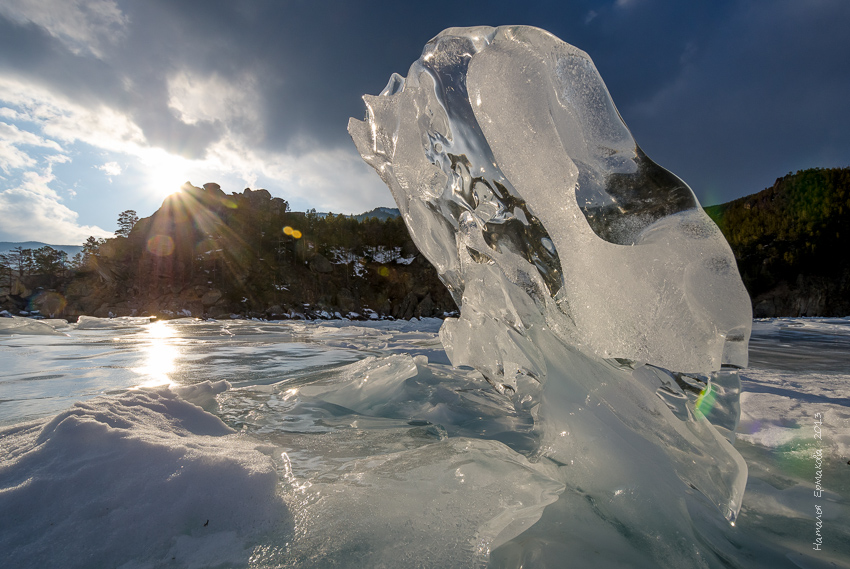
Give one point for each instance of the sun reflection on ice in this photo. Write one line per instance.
(160, 353)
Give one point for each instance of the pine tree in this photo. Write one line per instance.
(91, 249)
(126, 220)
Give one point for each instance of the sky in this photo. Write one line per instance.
(109, 105)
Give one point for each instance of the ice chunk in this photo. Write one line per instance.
(365, 384)
(432, 506)
(94, 323)
(503, 148)
(29, 327)
(202, 394)
(592, 286)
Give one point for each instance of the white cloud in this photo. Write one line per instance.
(62, 119)
(110, 168)
(211, 98)
(57, 159)
(81, 25)
(8, 113)
(32, 211)
(335, 179)
(12, 157)
(101, 127)
(14, 135)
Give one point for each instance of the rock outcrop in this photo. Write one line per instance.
(209, 254)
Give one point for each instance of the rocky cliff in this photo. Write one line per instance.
(207, 253)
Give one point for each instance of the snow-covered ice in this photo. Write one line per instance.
(141, 479)
(311, 444)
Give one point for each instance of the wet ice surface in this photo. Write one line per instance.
(132, 354)
(802, 344)
(339, 444)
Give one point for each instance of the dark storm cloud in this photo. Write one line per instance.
(28, 52)
(729, 95)
(32, 55)
(763, 95)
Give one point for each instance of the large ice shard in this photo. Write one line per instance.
(590, 281)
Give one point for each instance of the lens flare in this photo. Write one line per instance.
(705, 401)
(161, 245)
(48, 302)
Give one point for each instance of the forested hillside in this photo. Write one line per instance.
(792, 243)
(207, 253)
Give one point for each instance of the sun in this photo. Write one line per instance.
(167, 172)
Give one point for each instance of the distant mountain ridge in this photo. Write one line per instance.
(381, 213)
(71, 250)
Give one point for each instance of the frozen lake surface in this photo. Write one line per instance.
(356, 444)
